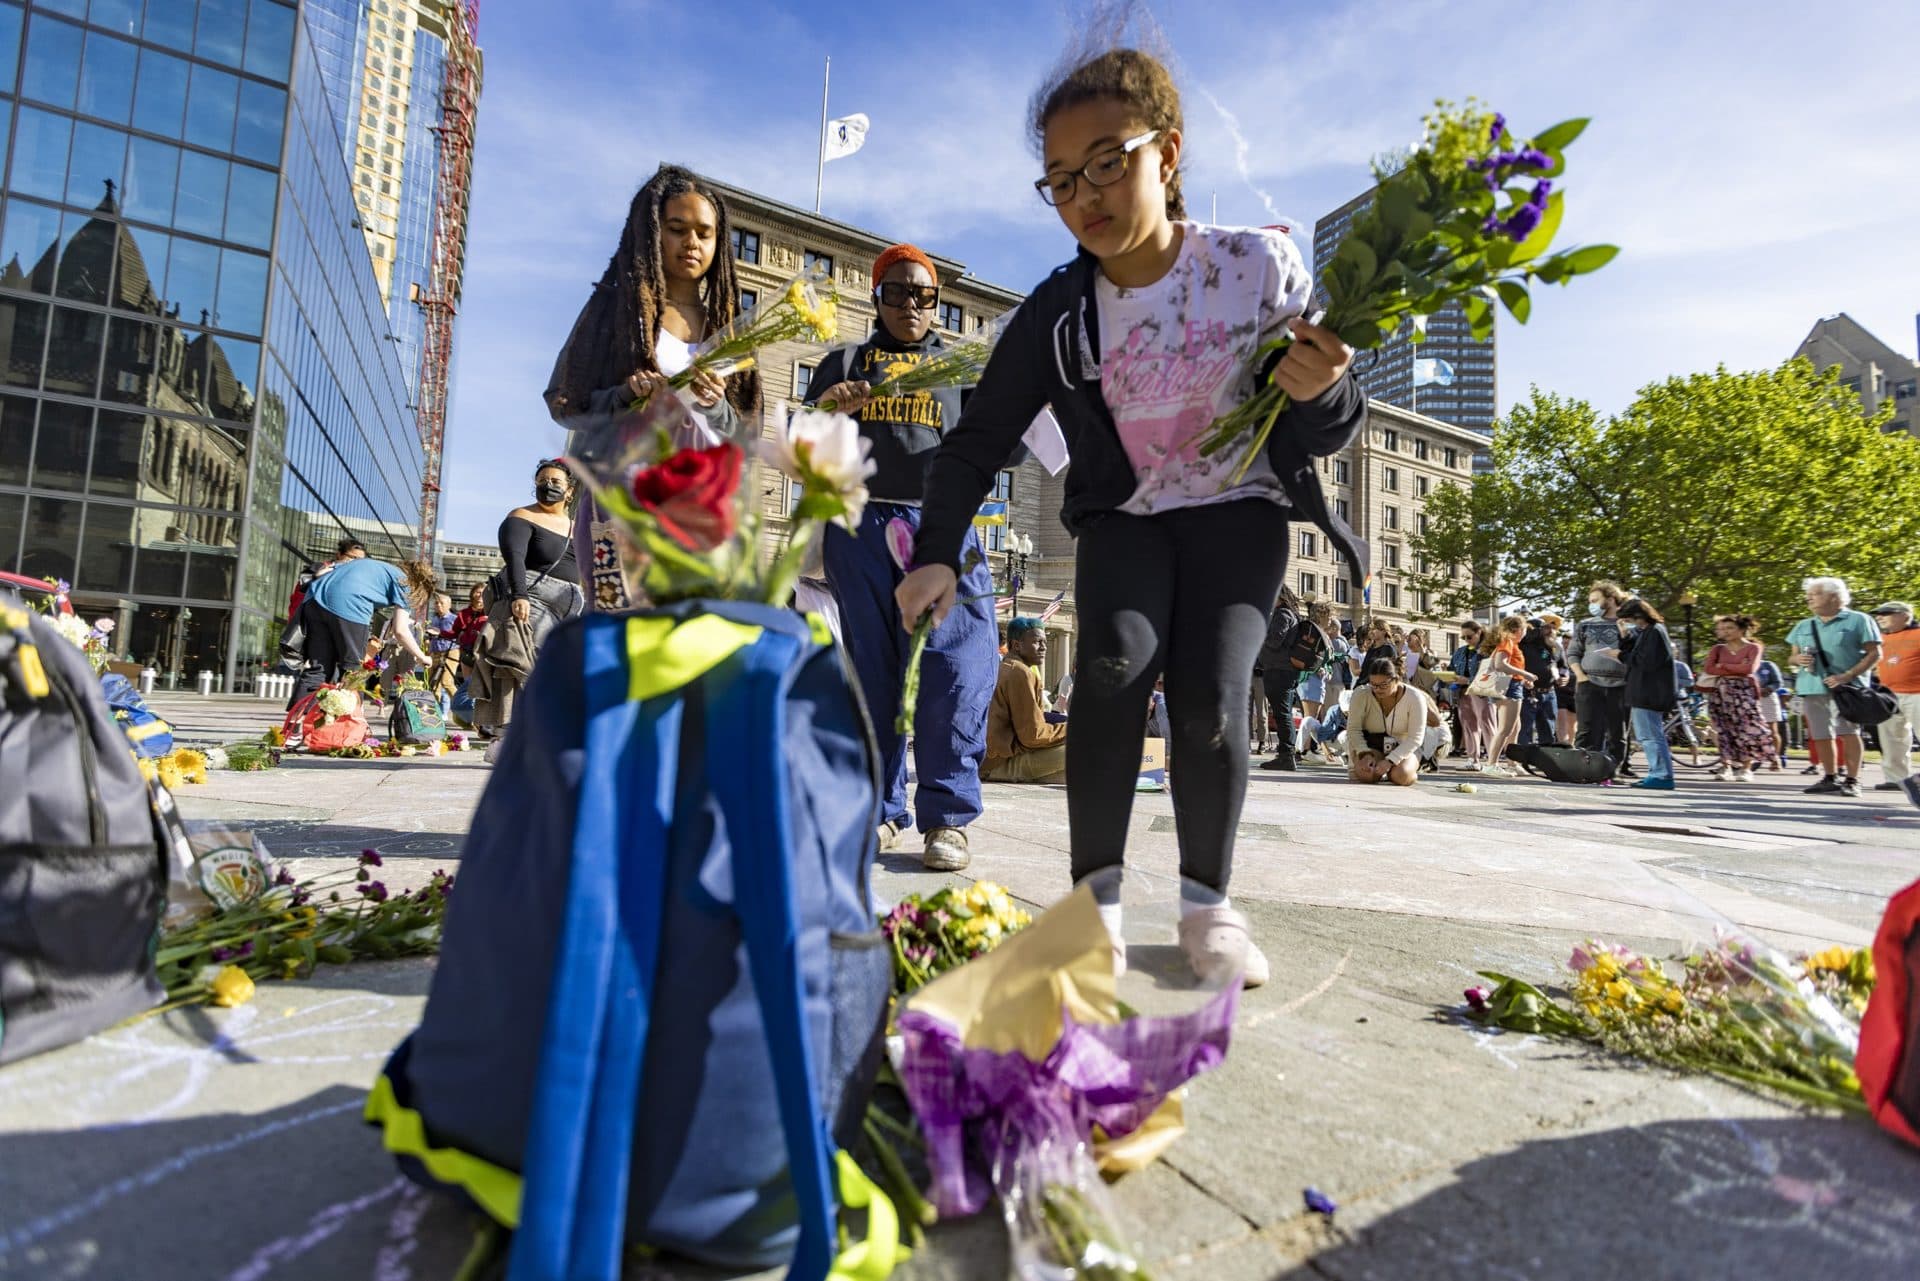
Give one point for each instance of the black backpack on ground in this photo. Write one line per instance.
(1564, 764)
(83, 876)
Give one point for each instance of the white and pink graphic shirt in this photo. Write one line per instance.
(1177, 354)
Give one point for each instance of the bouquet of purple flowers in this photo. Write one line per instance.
(1027, 1077)
(1467, 219)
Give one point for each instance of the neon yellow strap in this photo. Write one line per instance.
(664, 655)
(822, 633)
(874, 1258)
(495, 1190)
(140, 733)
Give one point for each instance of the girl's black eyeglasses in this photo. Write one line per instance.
(1103, 170)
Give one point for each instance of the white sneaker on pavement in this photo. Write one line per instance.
(1218, 941)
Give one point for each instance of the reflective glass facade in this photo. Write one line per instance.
(384, 64)
(196, 384)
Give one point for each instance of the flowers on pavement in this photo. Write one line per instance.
(291, 926)
(1736, 1009)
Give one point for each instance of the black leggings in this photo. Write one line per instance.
(335, 646)
(1186, 593)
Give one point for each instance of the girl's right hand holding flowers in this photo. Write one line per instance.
(928, 587)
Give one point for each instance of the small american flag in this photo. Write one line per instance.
(1003, 605)
(1053, 606)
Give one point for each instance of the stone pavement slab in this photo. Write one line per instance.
(226, 1144)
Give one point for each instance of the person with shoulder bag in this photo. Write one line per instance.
(1834, 649)
(538, 588)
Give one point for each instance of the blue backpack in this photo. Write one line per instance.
(147, 734)
(661, 992)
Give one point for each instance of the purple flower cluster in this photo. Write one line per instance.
(370, 858)
(1521, 222)
(376, 891)
(221, 954)
(1502, 165)
(1499, 128)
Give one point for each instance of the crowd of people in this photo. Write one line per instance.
(1611, 683)
(1169, 632)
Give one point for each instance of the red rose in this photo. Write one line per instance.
(691, 495)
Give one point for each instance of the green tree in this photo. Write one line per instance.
(1731, 486)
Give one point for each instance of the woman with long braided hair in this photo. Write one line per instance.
(669, 284)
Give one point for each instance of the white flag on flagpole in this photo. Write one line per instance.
(1432, 371)
(846, 135)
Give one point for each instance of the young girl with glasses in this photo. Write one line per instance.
(1137, 344)
(962, 659)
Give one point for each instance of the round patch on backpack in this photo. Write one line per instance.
(231, 875)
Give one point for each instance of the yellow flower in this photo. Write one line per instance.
(1605, 966)
(1619, 993)
(307, 918)
(1672, 1001)
(1833, 958)
(231, 986)
(188, 765)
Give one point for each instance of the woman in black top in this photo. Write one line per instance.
(539, 587)
(542, 577)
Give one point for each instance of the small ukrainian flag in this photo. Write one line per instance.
(991, 514)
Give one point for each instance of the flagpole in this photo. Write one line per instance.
(820, 169)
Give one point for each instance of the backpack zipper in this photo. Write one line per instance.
(89, 764)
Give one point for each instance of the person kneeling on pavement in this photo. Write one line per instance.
(1022, 746)
(1392, 727)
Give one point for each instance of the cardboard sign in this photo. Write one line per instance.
(1153, 766)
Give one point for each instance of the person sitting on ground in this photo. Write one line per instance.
(1388, 725)
(1022, 747)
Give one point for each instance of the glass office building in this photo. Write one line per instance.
(197, 379)
(384, 63)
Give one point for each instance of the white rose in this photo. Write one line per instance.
(827, 454)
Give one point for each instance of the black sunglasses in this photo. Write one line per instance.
(894, 293)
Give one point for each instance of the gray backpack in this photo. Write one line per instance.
(83, 877)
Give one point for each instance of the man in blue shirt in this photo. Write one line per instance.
(338, 617)
(1836, 646)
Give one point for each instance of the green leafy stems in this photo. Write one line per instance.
(1442, 229)
(293, 926)
(922, 630)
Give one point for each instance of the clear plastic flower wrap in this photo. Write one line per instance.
(806, 309)
(1037, 1071)
(960, 362)
(688, 522)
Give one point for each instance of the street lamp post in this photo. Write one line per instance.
(1018, 548)
(1687, 601)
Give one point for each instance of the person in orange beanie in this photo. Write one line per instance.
(959, 667)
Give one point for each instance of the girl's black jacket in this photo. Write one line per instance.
(1048, 357)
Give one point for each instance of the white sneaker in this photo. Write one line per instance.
(1722, 775)
(1218, 941)
(1475, 767)
(1745, 775)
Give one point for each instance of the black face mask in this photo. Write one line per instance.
(550, 493)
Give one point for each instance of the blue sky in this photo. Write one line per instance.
(1755, 162)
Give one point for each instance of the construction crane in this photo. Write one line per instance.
(439, 301)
